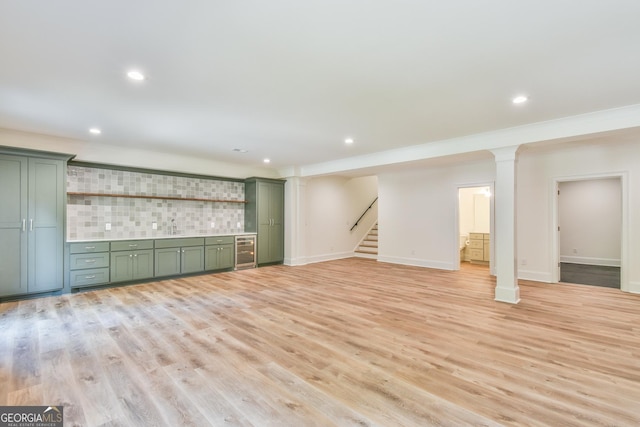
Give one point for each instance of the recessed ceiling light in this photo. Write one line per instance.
(135, 75)
(520, 99)
(95, 131)
(348, 141)
(240, 150)
(267, 160)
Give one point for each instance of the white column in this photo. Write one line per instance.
(294, 221)
(505, 236)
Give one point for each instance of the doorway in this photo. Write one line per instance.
(590, 231)
(474, 225)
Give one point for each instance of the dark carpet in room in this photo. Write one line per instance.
(596, 275)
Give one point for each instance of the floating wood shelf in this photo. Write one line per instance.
(134, 196)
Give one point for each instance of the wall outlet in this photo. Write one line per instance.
(154, 225)
(107, 226)
(575, 251)
(523, 261)
(213, 225)
(239, 225)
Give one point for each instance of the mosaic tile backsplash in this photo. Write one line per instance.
(87, 216)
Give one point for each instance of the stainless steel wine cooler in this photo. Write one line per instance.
(245, 252)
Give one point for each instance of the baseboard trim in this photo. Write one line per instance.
(535, 276)
(325, 257)
(417, 262)
(634, 287)
(294, 262)
(605, 262)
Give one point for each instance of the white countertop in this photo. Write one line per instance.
(175, 236)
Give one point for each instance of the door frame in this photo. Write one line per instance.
(624, 229)
(456, 254)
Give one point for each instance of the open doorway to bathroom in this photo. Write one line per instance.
(474, 216)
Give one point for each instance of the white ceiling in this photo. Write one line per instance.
(290, 79)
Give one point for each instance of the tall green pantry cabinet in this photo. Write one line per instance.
(264, 215)
(32, 191)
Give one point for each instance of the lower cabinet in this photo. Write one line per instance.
(219, 253)
(131, 260)
(99, 263)
(179, 256)
(479, 249)
(88, 264)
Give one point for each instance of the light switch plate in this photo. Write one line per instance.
(154, 225)
(107, 226)
(213, 225)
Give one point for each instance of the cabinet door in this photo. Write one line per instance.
(142, 264)
(225, 256)
(167, 262)
(270, 207)
(121, 266)
(45, 225)
(211, 257)
(276, 232)
(192, 259)
(13, 217)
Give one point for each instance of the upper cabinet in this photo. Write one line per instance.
(264, 215)
(32, 190)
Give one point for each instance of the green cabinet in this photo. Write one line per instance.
(32, 190)
(131, 260)
(219, 253)
(179, 256)
(264, 215)
(88, 264)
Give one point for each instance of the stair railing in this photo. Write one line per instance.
(363, 213)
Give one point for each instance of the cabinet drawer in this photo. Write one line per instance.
(222, 240)
(179, 242)
(476, 236)
(84, 248)
(476, 254)
(476, 244)
(131, 245)
(84, 261)
(95, 276)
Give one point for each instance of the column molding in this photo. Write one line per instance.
(505, 238)
(295, 214)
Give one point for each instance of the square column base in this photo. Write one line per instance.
(510, 295)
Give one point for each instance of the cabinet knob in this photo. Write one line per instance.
(130, 256)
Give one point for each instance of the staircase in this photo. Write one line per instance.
(368, 247)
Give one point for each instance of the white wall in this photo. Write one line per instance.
(418, 213)
(93, 151)
(590, 218)
(417, 207)
(332, 205)
(538, 172)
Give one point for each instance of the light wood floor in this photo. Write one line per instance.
(350, 343)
